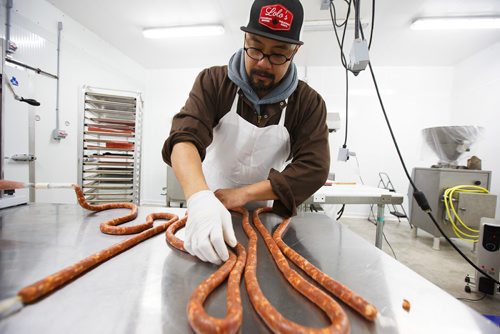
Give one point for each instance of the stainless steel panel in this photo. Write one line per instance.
(433, 182)
(109, 103)
(108, 171)
(471, 207)
(120, 114)
(107, 186)
(112, 97)
(354, 194)
(107, 149)
(174, 190)
(146, 289)
(111, 176)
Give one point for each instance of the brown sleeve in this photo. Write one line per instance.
(196, 120)
(310, 153)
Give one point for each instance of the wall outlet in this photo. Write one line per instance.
(319, 198)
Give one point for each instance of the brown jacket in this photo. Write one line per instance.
(211, 98)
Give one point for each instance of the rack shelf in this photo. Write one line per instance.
(110, 147)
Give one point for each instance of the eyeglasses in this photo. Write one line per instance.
(275, 58)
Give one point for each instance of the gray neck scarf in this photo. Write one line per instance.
(238, 75)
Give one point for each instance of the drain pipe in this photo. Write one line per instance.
(8, 7)
(57, 133)
(5, 47)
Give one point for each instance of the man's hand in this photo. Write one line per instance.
(208, 225)
(232, 197)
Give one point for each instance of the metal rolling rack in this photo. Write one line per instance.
(110, 148)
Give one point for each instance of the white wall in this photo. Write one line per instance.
(167, 91)
(85, 60)
(476, 101)
(414, 98)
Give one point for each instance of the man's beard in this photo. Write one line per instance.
(260, 85)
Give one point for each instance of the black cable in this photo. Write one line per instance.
(340, 212)
(373, 24)
(348, 2)
(356, 19)
(390, 128)
(429, 213)
(419, 196)
(333, 15)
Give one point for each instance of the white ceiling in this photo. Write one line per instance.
(120, 22)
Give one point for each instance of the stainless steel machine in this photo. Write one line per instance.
(469, 203)
(173, 191)
(488, 256)
(488, 259)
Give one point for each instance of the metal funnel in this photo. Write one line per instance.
(450, 142)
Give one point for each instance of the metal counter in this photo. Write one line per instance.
(145, 290)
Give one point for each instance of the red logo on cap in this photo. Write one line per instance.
(276, 17)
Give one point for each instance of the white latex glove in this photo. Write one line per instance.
(208, 225)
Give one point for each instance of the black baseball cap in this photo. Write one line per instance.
(276, 19)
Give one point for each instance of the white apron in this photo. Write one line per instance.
(242, 153)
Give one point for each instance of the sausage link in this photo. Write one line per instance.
(172, 240)
(356, 302)
(273, 319)
(198, 318)
(42, 288)
(110, 226)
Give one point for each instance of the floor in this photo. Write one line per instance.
(444, 267)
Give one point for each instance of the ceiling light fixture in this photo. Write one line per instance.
(456, 23)
(183, 31)
(326, 25)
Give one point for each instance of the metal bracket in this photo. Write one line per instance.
(385, 199)
(325, 4)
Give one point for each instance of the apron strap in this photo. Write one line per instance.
(234, 106)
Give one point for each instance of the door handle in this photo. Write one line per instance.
(23, 157)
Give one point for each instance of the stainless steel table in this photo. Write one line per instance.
(145, 290)
(358, 194)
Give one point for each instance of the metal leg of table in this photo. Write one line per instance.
(380, 225)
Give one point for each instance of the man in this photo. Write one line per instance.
(241, 123)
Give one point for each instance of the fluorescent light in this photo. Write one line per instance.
(183, 31)
(456, 23)
(327, 25)
(28, 40)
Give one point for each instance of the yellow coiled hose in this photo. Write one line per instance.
(453, 216)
